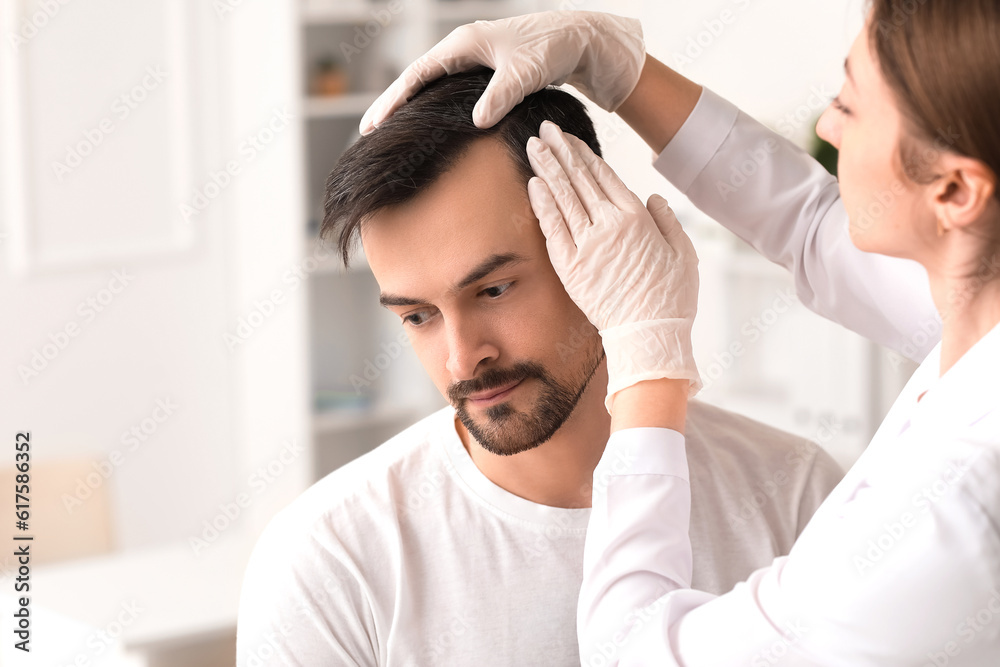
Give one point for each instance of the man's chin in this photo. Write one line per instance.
(503, 430)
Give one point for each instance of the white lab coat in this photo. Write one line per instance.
(901, 564)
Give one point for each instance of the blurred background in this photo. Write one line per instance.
(187, 359)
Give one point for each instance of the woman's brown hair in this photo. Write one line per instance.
(941, 58)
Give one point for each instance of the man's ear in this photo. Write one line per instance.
(964, 193)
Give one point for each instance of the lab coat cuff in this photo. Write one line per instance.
(643, 451)
(698, 140)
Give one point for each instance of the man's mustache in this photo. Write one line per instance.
(493, 378)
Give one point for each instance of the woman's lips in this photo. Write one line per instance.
(492, 396)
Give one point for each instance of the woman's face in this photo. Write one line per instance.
(887, 211)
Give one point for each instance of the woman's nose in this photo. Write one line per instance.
(828, 128)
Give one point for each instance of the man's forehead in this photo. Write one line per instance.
(477, 209)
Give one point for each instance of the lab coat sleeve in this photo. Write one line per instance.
(630, 562)
(886, 579)
(782, 202)
(637, 560)
(302, 604)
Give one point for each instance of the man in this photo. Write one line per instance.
(460, 540)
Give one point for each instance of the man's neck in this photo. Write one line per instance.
(560, 471)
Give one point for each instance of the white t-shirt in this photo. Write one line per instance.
(409, 555)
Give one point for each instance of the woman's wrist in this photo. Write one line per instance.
(651, 403)
(659, 104)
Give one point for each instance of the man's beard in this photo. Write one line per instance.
(508, 431)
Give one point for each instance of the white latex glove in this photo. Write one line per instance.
(630, 268)
(599, 54)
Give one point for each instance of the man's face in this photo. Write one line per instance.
(464, 266)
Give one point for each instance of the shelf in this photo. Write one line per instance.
(350, 105)
(331, 264)
(337, 421)
(475, 10)
(340, 12)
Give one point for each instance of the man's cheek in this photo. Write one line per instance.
(434, 362)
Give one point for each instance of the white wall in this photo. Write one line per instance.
(160, 336)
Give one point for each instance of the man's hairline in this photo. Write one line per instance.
(513, 257)
(363, 221)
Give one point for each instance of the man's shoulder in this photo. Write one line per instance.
(714, 433)
(369, 487)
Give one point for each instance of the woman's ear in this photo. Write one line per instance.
(963, 193)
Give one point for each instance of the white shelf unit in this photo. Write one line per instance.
(348, 106)
(350, 333)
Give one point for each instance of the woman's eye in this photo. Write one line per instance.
(839, 106)
(496, 290)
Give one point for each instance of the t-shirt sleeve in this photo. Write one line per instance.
(302, 603)
(823, 475)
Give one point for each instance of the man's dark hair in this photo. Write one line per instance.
(427, 136)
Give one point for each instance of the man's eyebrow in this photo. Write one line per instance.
(492, 263)
(393, 300)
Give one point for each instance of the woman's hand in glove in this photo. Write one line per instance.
(600, 54)
(630, 268)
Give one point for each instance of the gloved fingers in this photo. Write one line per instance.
(460, 50)
(547, 168)
(612, 186)
(558, 240)
(670, 227)
(504, 92)
(416, 76)
(587, 189)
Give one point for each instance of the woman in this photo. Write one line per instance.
(901, 564)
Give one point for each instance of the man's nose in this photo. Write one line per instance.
(468, 346)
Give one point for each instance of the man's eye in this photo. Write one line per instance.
(496, 290)
(416, 319)
(839, 106)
